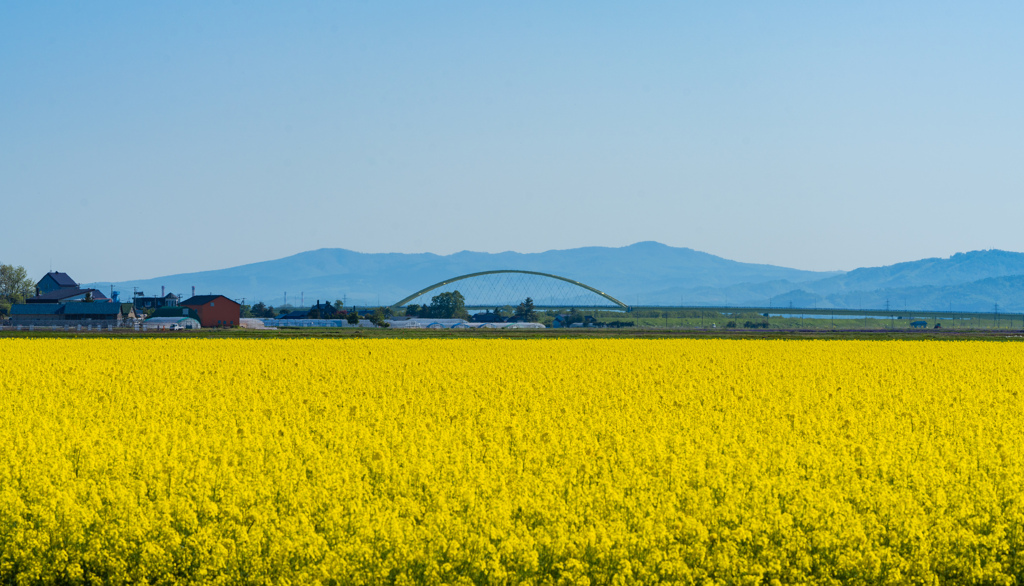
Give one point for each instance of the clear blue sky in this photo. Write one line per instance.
(141, 139)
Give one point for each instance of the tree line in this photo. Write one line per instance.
(452, 305)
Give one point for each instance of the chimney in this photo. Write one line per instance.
(162, 293)
(193, 290)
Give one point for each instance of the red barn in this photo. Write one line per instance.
(214, 310)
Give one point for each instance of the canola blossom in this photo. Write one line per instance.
(510, 462)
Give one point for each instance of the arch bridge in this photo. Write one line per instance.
(488, 289)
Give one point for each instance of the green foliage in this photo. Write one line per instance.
(379, 318)
(353, 317)
(525, 311)
(574, 317)
(261, 310)
(15, 286)
(448, 305)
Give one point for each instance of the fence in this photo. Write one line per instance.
(61, 326)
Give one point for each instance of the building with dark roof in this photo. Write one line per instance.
(325, 310)
(92, 311)
(54, 281)
(169, 300)
(68, 294)
(50, 314)
(26, 313)
(215, 310)
(486, 317)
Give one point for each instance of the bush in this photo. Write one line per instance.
(619, 324)
(378, 318)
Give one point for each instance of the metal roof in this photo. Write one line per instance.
(203, 299)
(36, 309)
(62, 279)
(60, 294)
(100, 308)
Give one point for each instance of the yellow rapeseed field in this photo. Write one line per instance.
(511, 461)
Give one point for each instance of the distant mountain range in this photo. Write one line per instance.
(646, 273)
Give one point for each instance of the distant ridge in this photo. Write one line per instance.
(645, 273)
(363, 278)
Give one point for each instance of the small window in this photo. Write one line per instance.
(211, 304)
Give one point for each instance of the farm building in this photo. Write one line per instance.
(141, 302)
(68, 294)
(57, 287)
(54, 281)
(36, 313)
(215, 310)
(100, 313)
(486, 318)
